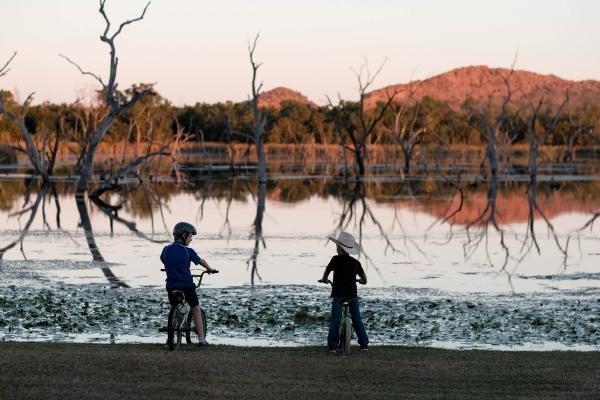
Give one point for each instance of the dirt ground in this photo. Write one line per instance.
(84, 371)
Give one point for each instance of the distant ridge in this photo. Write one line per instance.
(273, 98)
(480, 82)
(476, 82)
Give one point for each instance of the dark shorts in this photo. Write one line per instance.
(190, 296)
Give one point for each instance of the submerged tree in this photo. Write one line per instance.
(538, 132)
(353, 123)
(41, 155)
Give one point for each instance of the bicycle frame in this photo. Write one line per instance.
(346, 327)
(180, 318)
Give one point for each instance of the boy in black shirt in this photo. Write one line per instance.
(345, 269)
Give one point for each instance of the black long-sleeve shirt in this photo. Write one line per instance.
(345, 269)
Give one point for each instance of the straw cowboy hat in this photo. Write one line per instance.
(346, 242)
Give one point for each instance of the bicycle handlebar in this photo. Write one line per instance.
(331, 283)
(199, 276)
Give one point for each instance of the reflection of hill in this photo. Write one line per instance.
(514, 207)
(427, 195)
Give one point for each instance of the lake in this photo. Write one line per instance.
(451, 262)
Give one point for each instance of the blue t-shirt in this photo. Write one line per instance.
(176, 258)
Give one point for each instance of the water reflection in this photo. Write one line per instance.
(433, 223)
(86, 224)
(32, 210)
(258, 230)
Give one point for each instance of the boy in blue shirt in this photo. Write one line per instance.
(345, 270)
(176, 258)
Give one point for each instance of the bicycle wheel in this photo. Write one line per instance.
(171, 327)
(204, 325)
(347, 335)
(190, 327)
(174, 324)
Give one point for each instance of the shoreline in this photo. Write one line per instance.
(255, 343)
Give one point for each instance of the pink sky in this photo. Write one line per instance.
(197, 51)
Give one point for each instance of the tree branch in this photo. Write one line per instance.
(96, 77)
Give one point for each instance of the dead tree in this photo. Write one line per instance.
(116, 105)
(356, 127)
(405, 130)
(257, 137)
(489, 124)
(578, 129)
(536, 139)
(43, 157)
(257, 129)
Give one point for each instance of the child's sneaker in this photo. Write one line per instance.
(331, 350)
(202, 343)
(364, 348)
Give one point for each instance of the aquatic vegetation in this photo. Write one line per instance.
(300, 314)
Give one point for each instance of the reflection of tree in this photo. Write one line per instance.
(491, 126)
(258, 233)
(86, 224)
(537, 134)
(32, 210)
(356, 210)
(112, 212)
(478, 229)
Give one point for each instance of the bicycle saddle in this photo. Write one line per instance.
(179, 295)
(346, 301)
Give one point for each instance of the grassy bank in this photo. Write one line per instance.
(40, 370)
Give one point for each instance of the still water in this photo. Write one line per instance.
(442, 270)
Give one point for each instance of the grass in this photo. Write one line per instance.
(50, 370)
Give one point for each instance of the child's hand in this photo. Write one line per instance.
(212, 271)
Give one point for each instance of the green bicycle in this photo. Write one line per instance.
(345, 332)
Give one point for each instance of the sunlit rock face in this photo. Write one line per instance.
(479, 83)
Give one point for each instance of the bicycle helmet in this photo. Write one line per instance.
(183, 227)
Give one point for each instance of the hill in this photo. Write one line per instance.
(273, 98)
(481, 82)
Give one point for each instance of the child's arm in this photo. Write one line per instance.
(325, 276)
(329, 268)
(362, 278)
(361, 274)
(208, 267)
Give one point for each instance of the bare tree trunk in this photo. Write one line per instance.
(116, 106)
(260, 119)
(32, 151)
(359, 132)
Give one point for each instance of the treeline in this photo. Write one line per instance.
(154, 118)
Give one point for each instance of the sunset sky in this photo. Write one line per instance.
(196, 51)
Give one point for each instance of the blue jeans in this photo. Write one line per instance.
(336, 317)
